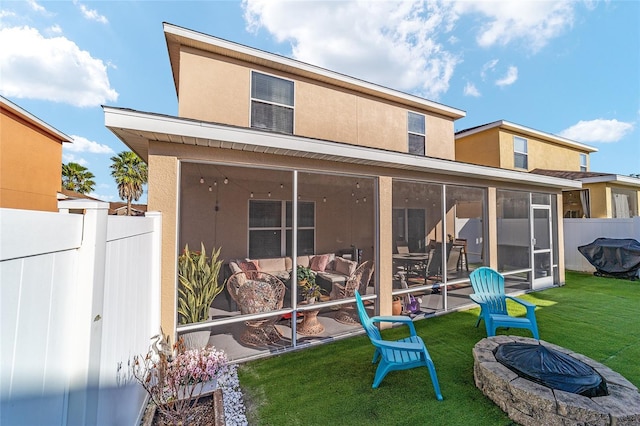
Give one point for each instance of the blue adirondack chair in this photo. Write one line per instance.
(488, 287)
(402, 354)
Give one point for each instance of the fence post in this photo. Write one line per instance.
(156, 271)
(84, 357)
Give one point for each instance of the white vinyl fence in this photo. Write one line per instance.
(579, 232)
(79, 297)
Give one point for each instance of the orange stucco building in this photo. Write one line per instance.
(30, 160)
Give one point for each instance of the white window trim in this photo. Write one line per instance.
(525, 153)
(409, 132)
(583, 162)
(251, 98)
(283, 228)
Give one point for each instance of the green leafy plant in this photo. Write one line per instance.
(197, 284)
(307, 282)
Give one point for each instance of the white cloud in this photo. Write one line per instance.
(532, 22)
(107, 198)
(53, 69)
(471, 90)
(81, 144)
(70, 158)
(36, 7)
(598, 130)
(509, 78)
(395, 44)
(91, 14)
(489, 66)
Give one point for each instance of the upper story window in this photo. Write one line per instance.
(583, 162)
(271, 103)
(416, 127)
(520, 153)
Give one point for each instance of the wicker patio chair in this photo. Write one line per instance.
(257, 292)
(358, 281)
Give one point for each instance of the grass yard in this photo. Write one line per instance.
(331, 384)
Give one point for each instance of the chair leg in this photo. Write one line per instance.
(434, 379)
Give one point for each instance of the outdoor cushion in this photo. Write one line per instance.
(273, 264)
(319, 262)
(345, 266)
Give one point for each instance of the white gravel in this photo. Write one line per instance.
(234, 409)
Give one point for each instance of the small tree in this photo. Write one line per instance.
(77, 178)
(130, 174)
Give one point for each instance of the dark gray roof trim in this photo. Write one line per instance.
(136, 129)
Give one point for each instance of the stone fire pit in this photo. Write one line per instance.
(529, 403)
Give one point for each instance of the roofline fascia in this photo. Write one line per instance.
(182, 32)
(612, 178)
(170, 125)
(503, 124)
(7, 104)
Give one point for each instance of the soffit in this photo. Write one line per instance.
(136, 129)
(177, 36)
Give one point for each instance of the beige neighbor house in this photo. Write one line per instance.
(512, 146)
(272, 160)
(30, 160)
(603, 195)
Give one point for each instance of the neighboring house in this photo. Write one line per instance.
(31, 160)
(515, 147)
(259, 136)
(120, 209)
(604, 195)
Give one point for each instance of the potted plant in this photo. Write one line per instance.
(396, 306)
(198, 286)
(309, 290)
(176, 378)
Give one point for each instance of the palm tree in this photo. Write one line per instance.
(130, 173)
(77, 178)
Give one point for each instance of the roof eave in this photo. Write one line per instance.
(506, 125)
(26, 115)
(136, 129)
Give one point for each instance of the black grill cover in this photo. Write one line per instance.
(615, 257)
(551, 368)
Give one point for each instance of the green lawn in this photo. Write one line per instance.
(331, 384)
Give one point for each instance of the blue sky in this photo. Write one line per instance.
(570, 68)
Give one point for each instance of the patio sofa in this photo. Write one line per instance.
(328, 267)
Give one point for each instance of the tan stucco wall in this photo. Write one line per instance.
(541, 154)
(217, 89)
(479, 148)
(494, 147)
(599, 197)
(30, 165)
(385, 248)
(213, 90)
(163, 186)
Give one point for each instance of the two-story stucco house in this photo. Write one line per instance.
(370, 172)
(512, 146)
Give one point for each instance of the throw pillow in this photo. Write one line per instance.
(345, 266)
(319, 263)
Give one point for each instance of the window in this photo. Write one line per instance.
(583, 162)
(270, 228)
(520, 156)
(623, 203)
(271, 103)
(416, 127)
